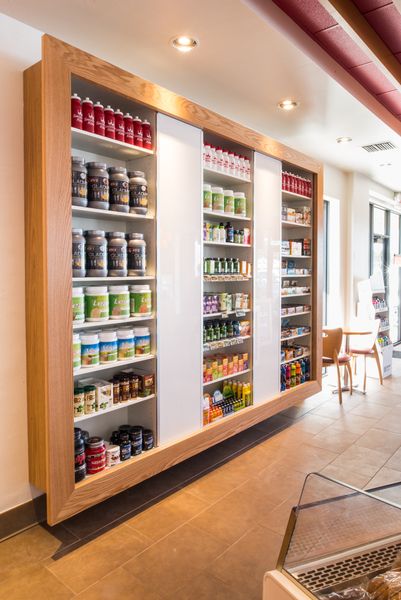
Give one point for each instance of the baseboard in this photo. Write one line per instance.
(22, 517)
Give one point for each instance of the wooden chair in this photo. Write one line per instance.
(367, 346)
(332, 356)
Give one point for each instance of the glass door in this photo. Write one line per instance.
(394, 279)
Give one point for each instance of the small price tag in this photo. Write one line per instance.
(239, 313)
(224, 315)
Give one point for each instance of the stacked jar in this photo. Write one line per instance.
(225, 161)
(115, 302)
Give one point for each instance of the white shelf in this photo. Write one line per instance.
(232, 376)
(112, 215)
(293, 387)
(284, 362)
(224, 314)
(291, 224)
(294, 337)
(227, 244)
(120, 364)
(380, 310)
(212, 176)
(384, 329)
(296, 276)
(306, 312)
(227, 343)
(295, 256)
(294, 196)
(229, 217)
(98, 144)
(110, 322)
(226, 278)
(295, 295)
(118, 406)
(84, 280)
(378, 292)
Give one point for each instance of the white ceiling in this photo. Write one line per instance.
(242, 68)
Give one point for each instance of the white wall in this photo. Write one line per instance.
(19, 48)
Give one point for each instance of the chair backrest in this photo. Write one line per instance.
(332, 342)
(365, 342)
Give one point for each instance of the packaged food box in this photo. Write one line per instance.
(104, 392)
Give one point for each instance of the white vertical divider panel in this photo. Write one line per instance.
(267, 277)
(179, 273)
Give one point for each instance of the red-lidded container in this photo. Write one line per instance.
(119, 125)
(88, 115)
(95, 455)
(147, 135)
(128, 129)
(138, 135)
(76, 112)
(99, 119)
(110, 124)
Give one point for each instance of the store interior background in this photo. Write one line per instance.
(228, 74)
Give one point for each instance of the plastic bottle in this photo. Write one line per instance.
(219, 159)
(76, 112)
(88, 116)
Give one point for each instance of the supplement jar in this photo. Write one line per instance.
(76, 112)
(76, 352)
(89, 349)
(135, 435)
(119, 302)
(98, 185)
(78, 181)
(125, 389)
(112, 456)
(207, 196)
(119, 190)
(96, 253)
(95, 455)
(229, 202)
(126, 344)
(79, 401)
(138, 192)
(78, 253)
(240, 204)
(78, 305)
(125, 446)
(79, 456)
(108, 346)
(90, 399)
(136, 254)
(218, 199)
(142, 341)
(117, 254)
(140, 300)
(96, 303)
(147, 439)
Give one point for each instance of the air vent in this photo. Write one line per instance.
(380, 147)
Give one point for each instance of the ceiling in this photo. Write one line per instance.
(242, 68)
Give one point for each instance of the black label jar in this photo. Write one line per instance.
(78, 181)
(96, 253)
(98, 185)
(119, 189)
(136, 440)
(79, 456)
(136, 255)
(117, 254)
(125, 446)
(138, 193)
(78, 253)
(147, 439)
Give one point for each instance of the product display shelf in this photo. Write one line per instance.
(232, 376)
(222, 215)
(112, 215)
(212, 176)
(83, 280)
(221, 344)
(296, 276)
(306, 312)
(294, 337)
(290, 360)
(98, 144)
(226, 278)
(295, 295)
(227, 244)
(293, 196)
(240, 312)
(120, 363)
(110, 323)
(296, 256)
(381, 310)
(383, 329)
(291, 224)
(113, 408)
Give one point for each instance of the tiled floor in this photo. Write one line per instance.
(210, 528)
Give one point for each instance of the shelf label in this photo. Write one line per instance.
(240, 313)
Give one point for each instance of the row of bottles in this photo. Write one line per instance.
(295, 373)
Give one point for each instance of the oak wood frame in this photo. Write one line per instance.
(48, 277)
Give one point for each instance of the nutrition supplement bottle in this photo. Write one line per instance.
(76, 112)
(76, 352)
(78, 305)
(96, 253)
(119, 125)
(109, 122)
(98, 109)
(136, 255)
(96, 303)
(98, 185)
(128, 129)
(240, 204)
(140, 300)
(207, 196)
(138, 133)
(147, 135)
(119, 302)
(79, 456)
(108, 346)
(88, 116)
(89, 349)
(78, 253)
(138, 192)
(126, 344)
(78, 181)
(117, 254)
(218, 199)
(142, 341)
(119, 189)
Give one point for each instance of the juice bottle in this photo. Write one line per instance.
(287, 377)
(293, 375)
(298, 372)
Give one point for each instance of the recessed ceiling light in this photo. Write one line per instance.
(386, 165)
(184, 43)
(343, 140)
(288, 104)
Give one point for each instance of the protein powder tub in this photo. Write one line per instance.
(207, 196)
(138, 193)
(76, 352)
(142, 341)
(96, 253)
(119, 189)
(117, 254)
(108, 346)
(136, 255)
(126, 344)
(96, 303)
(140, 300)
(218, 199)
(89, 349)
(78, 181)
(240, 204)
(229, 202)
(98, 185)
(119, 302)
(78, 253)
(78, 305)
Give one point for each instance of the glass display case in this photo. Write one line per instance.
(340, 542)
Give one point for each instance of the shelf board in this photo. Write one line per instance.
(119, 363)
(225, 278)
(295, 295)
(227, 343)
(295, 256)
(110, 322)
(291, 224)
(83, 280)
(212, 176)
(297, 276)
(220, 215)
(294, 196)
(306, 312)
(380, 310)
(284, 362)
(294, 337)
(294, 387)
(227, 244)
(384, 329)
(378, 291)
(227, 313)
(98, 144)
(111, 215)
(233, 375)
(113, 408)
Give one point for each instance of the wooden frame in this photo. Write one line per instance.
(48, 276)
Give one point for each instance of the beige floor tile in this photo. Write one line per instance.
(280, 484)
(277, 519)
(117, 585)
(34, 582)
(378, 439)
(372, 410)
(207, 587)
(306, 459)
(394, 462)
(386, 397)
(312, 424)
(87, 564)
(167, 515)
(391, 422)
(354, 423)
(332, 409)
(355, 479)
(384, 477)
(175, 560)
(213, 486)
(334, 439)
(361, 460)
